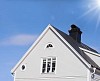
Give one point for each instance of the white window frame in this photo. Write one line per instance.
(46, 67)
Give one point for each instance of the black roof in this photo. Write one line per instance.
(76, 46)
(67, 37)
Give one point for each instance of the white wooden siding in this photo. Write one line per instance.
(68, 67)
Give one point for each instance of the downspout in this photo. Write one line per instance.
(92, 75)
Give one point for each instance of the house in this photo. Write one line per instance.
(56, 56)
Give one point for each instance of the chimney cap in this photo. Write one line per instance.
(74, 28)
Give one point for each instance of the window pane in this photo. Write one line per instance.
(53, 64)
(53, 58)
(49, 65)
(49, 59)
(53, 69)
(43, 70)
(48, 70)
(44, 66)
(44, 60)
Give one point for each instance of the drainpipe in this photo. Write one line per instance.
(92, 75)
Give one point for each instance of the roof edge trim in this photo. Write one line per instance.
(91, 52)
(30, 49)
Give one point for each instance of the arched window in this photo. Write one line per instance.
(49, 45)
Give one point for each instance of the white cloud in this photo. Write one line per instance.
(19, 40)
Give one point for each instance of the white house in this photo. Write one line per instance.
(56, 56)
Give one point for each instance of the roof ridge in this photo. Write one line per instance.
(76, 46)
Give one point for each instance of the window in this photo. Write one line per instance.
(23, 67)
(44, 66)
(49, 46)
(48, 65)
(53, 64)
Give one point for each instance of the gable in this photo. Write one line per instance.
(51, 34)
(67, 63)
(49, 27)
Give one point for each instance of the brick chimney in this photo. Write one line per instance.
(75, 33)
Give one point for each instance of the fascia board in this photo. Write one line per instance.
(31, 48)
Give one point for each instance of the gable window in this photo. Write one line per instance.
(53, 64)
(49, 46)
(44, 66)
(48, 64)
(23, 67)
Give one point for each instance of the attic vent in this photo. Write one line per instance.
(23, 67)
(49, 45)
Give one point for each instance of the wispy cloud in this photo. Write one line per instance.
(19, 40)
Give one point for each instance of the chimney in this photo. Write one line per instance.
(75, 33)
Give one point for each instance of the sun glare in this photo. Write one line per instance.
(98, 3)
(93, 11)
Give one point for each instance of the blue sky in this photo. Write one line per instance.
(22, 21)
